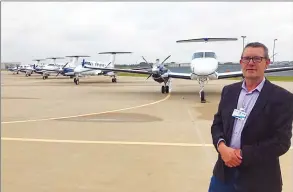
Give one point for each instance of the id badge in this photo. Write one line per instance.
(239, 114)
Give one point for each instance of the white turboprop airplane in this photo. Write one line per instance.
(15, 69)
(80, 70)
(38, 66)
(27, 69)
(204, 65)
(68, 70)
(52, 68)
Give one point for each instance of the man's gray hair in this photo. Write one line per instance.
(257, 44)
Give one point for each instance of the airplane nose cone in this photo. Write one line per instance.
(204, 66)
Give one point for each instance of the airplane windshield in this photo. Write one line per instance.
(197, 55)
(210, 55)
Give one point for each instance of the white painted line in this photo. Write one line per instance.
(105, 142)
(89, 114)
(199, 134)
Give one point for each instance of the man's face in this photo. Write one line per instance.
(253, 63)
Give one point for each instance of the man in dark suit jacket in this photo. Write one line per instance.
(249, 146)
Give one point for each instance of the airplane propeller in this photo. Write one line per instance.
(61, 69)
(158, 69)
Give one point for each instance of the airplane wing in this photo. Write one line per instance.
(119, 70)
(142, 71)
(180, 75)
(239, 73)
(188, 75)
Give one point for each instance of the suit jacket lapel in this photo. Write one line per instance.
(259, 104)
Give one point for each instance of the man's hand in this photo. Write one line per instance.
(238, 153)
(230, 156)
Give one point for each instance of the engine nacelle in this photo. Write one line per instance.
(213, 76)
(158, 78)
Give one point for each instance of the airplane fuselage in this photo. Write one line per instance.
(80, 70)
(50, 68)
(204, 64)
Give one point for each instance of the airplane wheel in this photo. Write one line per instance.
(76, 81)
(167, 89)
(114, 80)
(44, 77)
(163, 89)
(202, 97)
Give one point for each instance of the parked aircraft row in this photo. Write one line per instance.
(203, 65)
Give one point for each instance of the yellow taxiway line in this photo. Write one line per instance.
(89, 114)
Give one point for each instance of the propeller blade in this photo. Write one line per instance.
(65, 65)
(166, 59)
(149, 76)
(108, 64)
(146, 61)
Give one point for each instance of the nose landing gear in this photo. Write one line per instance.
(201, 81)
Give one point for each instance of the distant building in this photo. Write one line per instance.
(6, 65)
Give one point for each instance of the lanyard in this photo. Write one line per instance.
(244, 105)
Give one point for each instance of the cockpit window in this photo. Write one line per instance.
(210, 55)
(197, 55)
(204, 55)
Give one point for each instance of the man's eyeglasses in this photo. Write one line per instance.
(255, 59)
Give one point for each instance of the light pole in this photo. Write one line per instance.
(242, 51)
(274, 50)
(243, 40)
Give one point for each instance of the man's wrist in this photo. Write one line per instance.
(221, 145)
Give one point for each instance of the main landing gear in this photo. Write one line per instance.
(114, 80)
(76, 80)
(45, 77)
(166, 88)
(201, 82)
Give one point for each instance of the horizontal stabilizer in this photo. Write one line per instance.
(206, 40)
(240, 74)
(55, 58)
(121, 52)
(77, 56)
(38, 59)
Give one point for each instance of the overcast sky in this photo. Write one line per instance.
(44, 29)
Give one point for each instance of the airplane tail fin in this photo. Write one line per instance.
(74, 61)
(113, 53)
(83, 63)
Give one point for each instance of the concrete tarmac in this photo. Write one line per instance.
(109, 137)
